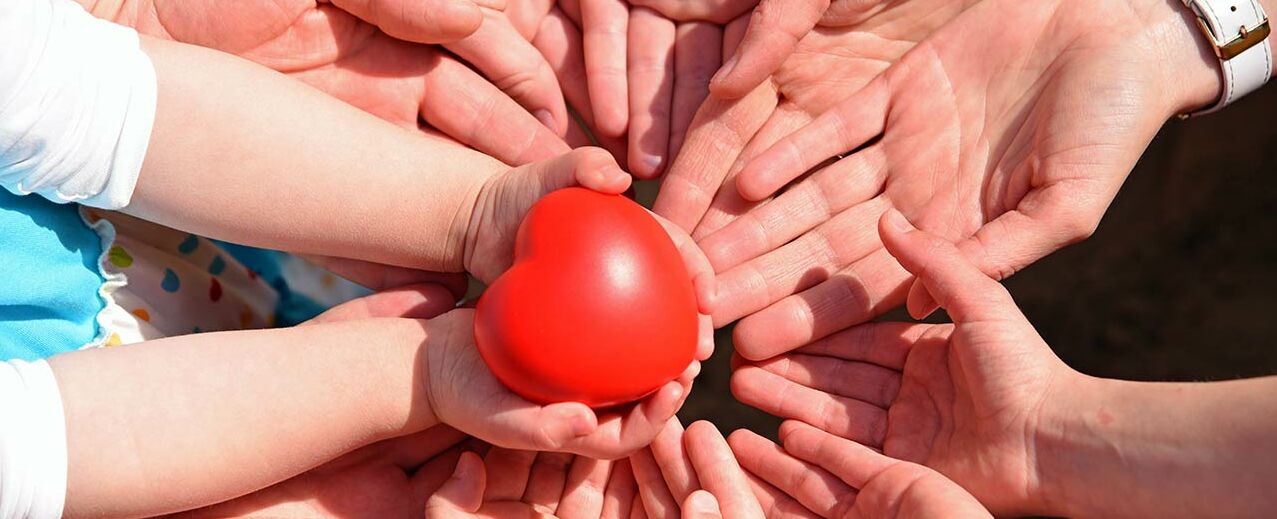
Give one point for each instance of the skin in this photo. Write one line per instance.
(974, 165)
(372, 55)
(817, 473)
(428, 371)
(986, 403)
(683, 467)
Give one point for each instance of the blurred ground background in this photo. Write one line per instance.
(1178, 283)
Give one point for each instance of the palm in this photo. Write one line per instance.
(961, 409)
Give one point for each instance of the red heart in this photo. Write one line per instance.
(598, 307)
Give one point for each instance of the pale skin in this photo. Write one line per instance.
(986, 403)
(1009, 165)
(139, 417)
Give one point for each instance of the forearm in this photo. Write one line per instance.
(264, 160)
(189, 421)
(1137, 449)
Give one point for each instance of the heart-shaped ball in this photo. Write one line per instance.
(598, 307)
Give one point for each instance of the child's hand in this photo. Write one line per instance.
(463, 393)
(487, 233)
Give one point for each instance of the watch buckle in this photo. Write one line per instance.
(1245, 38)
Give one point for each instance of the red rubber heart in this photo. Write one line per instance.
(598, 307)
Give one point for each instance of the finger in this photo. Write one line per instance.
(1046, 220)
(514, 65)
(605, 25)
(412, 301)
(592, 168)
(463, 492)
(560, 42)
(697, 55)
(776, 395)
(966, 293)
(476, 113)
(776, 503)
(621, 434)
(410, 452)
(377, 276)
(618, 498)
(857, 380)
(800, 264)
(885, 344)
(719, 131)
(527, 16)
(853, 463)
(698, 266)
(717, 11)
(856, 294)
(508, 472)
(702, 505)
(846, 127)
(810, 485)
(728, 205)
(420, 21)
(650, 70)
(583, 494)
(821, 197)
(638, 512)
(719, 472)
(775, 27)
(427, 478)
(653, 492)
(546, 481)
(676, 467)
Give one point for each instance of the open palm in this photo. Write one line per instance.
(970, 400)
(1008, 130)
(377, 68)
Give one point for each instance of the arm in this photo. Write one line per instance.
(172, 424)
(243, 154)
(1128, 449)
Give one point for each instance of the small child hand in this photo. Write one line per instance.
(463, 393)
(503, 200)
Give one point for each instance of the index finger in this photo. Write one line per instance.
(719, 472)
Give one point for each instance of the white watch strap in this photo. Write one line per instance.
(1238, 31)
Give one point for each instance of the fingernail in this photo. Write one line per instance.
(702, 501)
(582, 424)
(547, 119)
(652, 164)
(464, 466)
(897, 221)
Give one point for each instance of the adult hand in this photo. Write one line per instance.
(699, 191)
(1010, 166)
(967, 399)
(352, 50)
(389, 479)
(817, 473)
(692, 472)
(512, 483)
(634, 76)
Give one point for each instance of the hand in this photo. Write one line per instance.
(389, 479)
(695, 472)
(699, 192)
(820, 474)
(355, 51)
(1008, 131)
(634, 76)
(965, 399)
(511, 483)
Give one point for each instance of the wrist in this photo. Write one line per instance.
(1071, 423)
(1188, 69)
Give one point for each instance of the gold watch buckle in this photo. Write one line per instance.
(1246, 38)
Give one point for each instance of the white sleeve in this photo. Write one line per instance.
(33, 449)
(77, 102)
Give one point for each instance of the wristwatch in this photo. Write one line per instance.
(1237, 30)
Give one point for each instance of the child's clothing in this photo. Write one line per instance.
(77, 104)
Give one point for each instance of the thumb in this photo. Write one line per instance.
(957, 285)
(775, 27)
(701, 505)
(591, 168)
(419, 21)
(462, 494)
